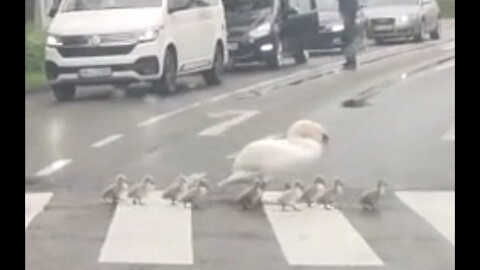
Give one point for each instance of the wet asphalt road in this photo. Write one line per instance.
(401, 134)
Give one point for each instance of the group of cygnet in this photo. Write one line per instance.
(185, 189)
(258, 164)
(120, 190)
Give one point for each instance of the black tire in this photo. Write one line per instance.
(275, 60)
(301, 57)
(436, 33)
(64, 92)
(420, 36)
(379, 41)
(213, 75)
(168, 83)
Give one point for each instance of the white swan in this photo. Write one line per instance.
(280, 159)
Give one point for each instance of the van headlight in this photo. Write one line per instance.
(149, 35)
(261, 30)
(337, 27)
(53, 41)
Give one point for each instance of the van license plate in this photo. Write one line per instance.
(95, 72)
(232, 46)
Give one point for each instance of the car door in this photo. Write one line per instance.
(185, 30)
(299, 23)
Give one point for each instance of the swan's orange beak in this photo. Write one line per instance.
(325, 139)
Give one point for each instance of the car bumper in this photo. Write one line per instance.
(243, 50)
(127, 65)
(394, 32)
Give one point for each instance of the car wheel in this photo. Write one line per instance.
(436, 33)
(420, 36)
(168, 83)
(213, 75)
(275, 60)
(64, 92)
(379, 41)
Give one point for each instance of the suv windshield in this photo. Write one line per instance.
(83, 5)
(376, 3)
(327, 5)
(243, 6)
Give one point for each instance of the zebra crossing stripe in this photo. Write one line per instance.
(157, 233)
(317, 237)
(34, 204)
(437, 208)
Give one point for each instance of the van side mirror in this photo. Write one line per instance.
(291, 11)
(425, 2)
(52, 12)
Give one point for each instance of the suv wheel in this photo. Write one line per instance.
(275, 60)
(63, 92)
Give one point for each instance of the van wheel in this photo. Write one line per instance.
(435, 34)
(213, 75)
(168, 83)
(275, 59)
(64, 92)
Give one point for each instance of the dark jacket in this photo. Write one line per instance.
(348, 7)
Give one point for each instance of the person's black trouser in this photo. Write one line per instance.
(349, 40)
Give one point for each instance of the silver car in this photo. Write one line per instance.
(392, 19)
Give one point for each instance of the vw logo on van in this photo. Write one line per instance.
(95, 41)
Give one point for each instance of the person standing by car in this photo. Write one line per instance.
(348, 9)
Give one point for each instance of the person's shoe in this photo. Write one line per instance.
(350, 66)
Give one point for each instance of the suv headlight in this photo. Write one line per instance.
(149, 35)
(53, 41)
(407, 18)
(261, 30)
(337, 27)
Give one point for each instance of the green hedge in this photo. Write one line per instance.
(34, 49)
(448, 8)
(34, 58)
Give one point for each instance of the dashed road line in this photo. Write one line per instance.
(55, 166)
(107, 140)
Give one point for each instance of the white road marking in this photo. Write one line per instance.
(220, 128)
(55, 166)
(445, 66)
(317, 237)
(107, 140)
(34, 204)
(437, 208)
(154, 234)
(450, 135)
(158, 118)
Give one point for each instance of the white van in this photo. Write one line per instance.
(121, 42)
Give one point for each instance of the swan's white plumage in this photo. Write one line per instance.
(279, 159)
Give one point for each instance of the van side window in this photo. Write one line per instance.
(176, 5)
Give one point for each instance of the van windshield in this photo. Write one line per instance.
(246, 6)
(84, 5)
(327, 5)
